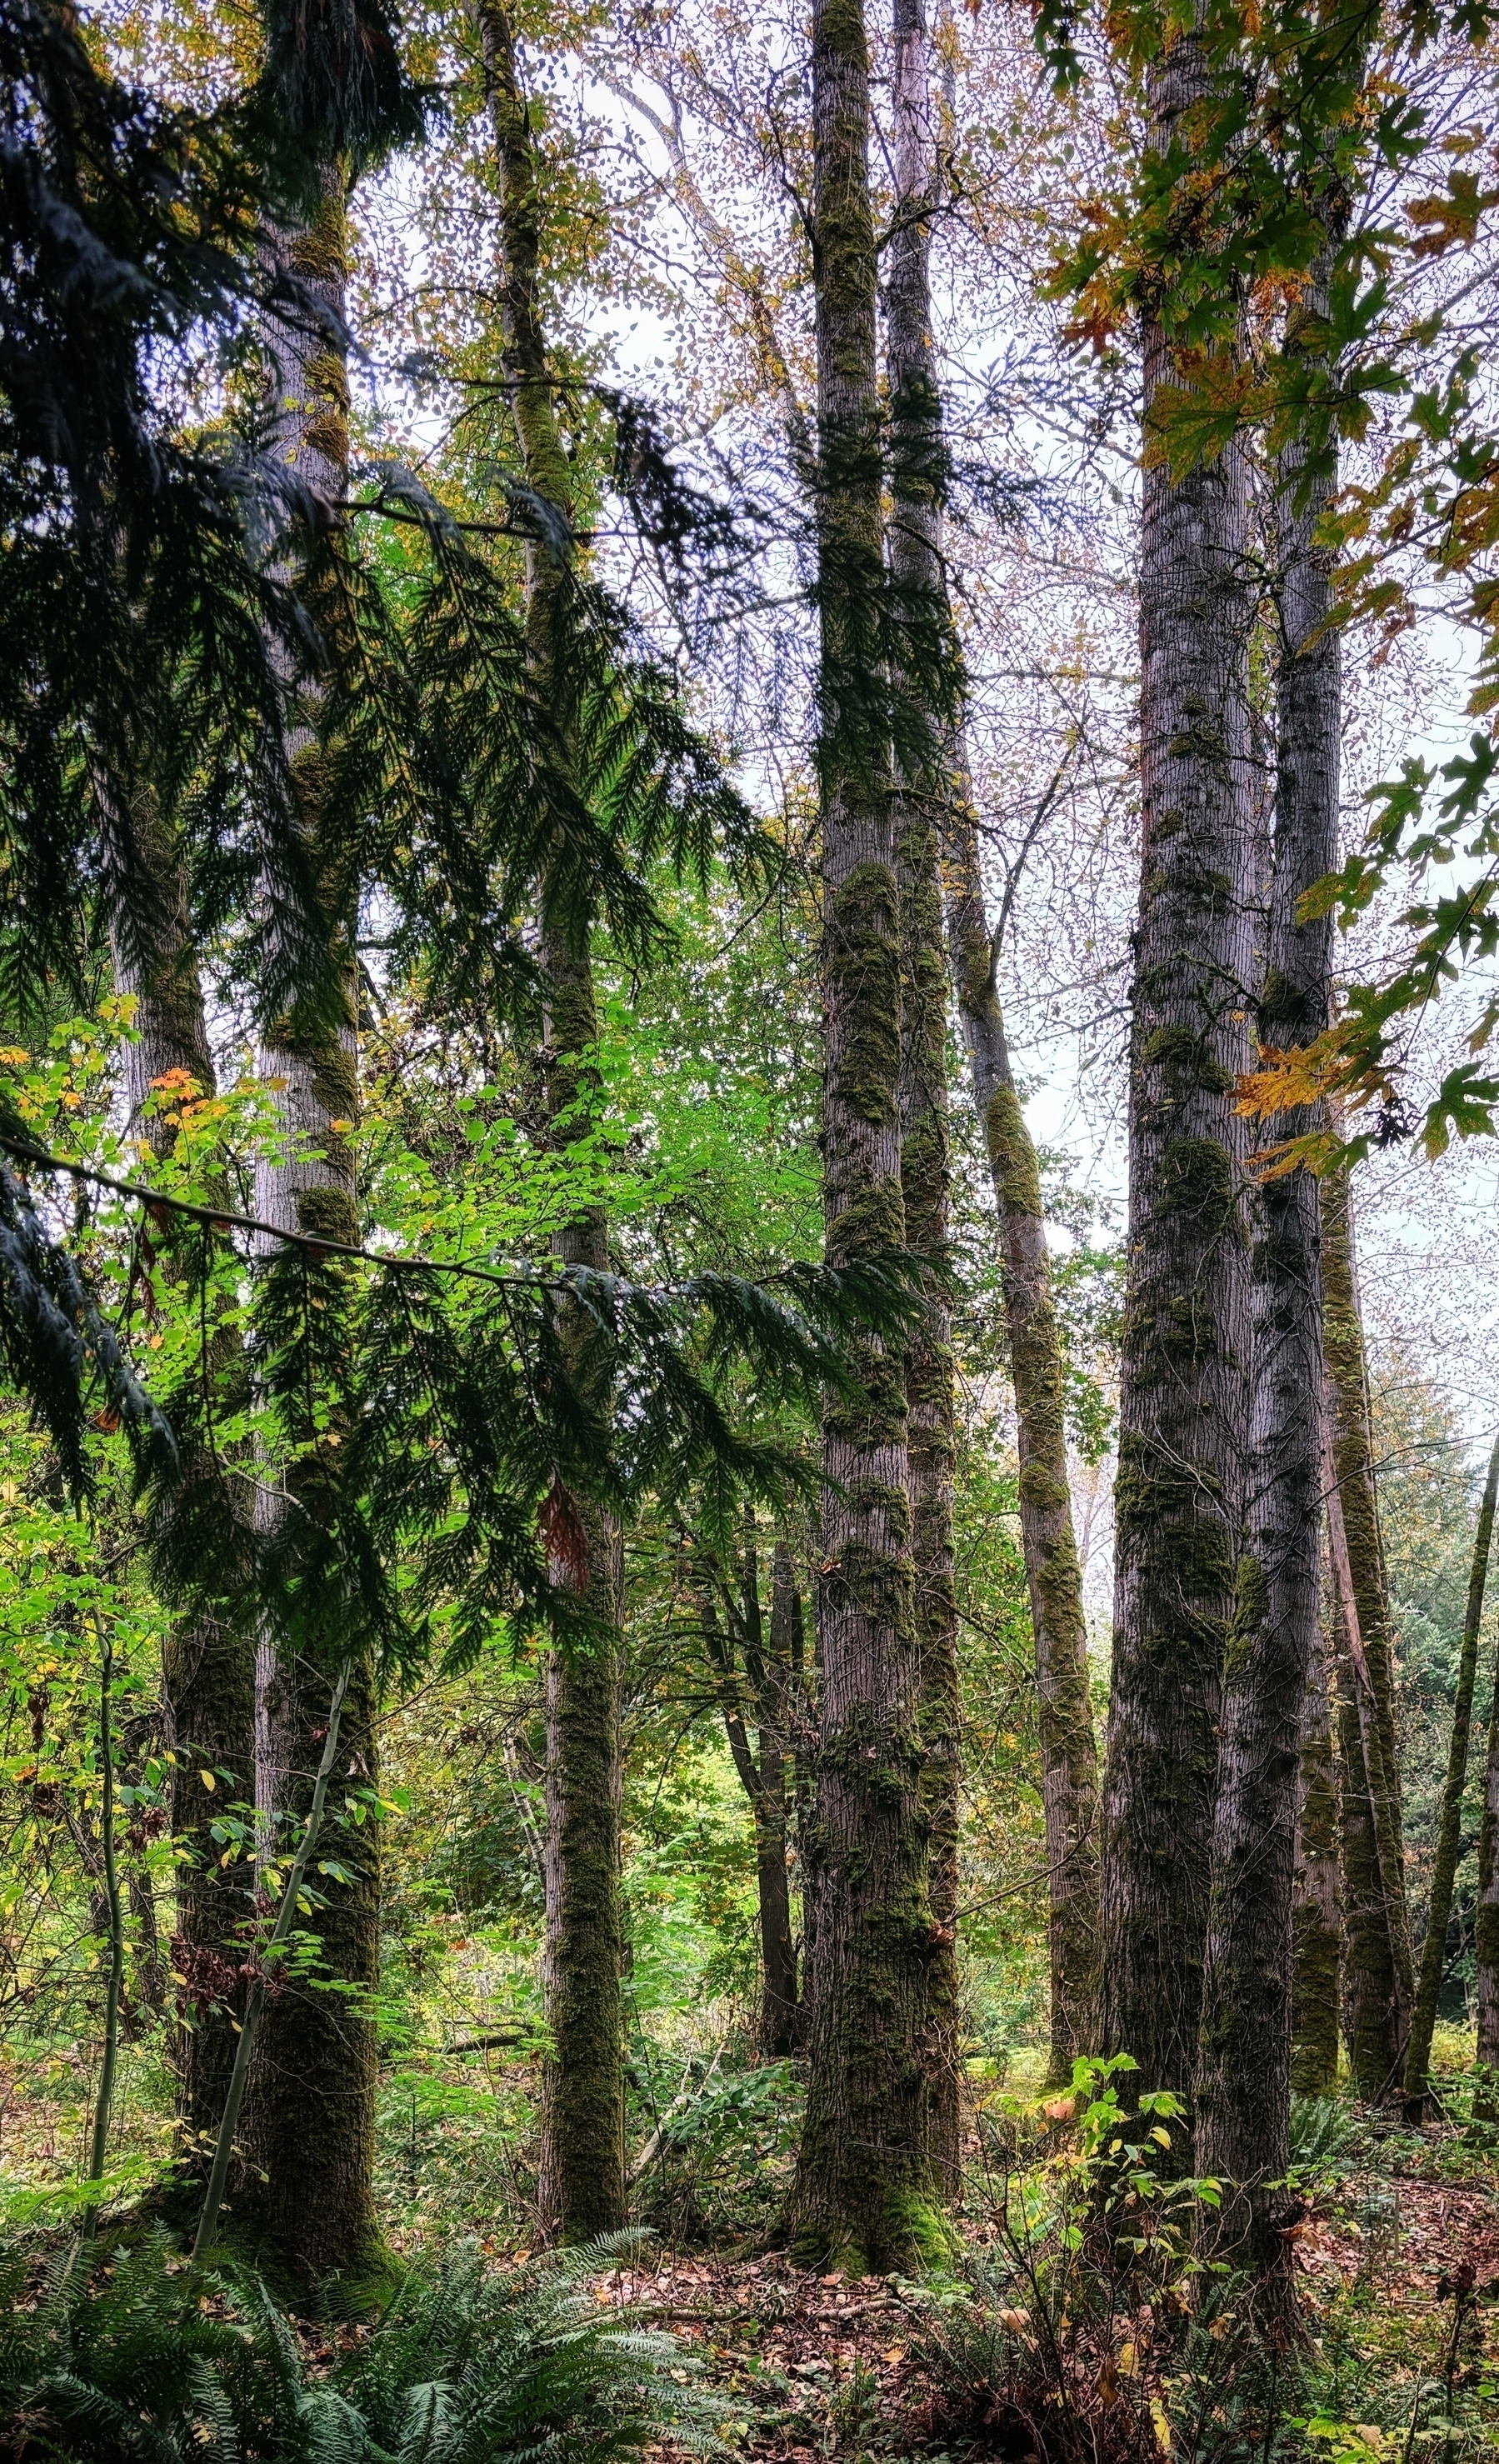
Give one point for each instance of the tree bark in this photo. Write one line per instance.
(1378, 1966)
(1243, 2092)
(1316, 1902)
(581, 2187)
(1183, 1414)
(762, 1775)
(208, 1663)
(1449, 1822)
(863, 2194)
(920, 593)
(309, 2124)
(1485, 1931)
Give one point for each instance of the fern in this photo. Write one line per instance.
(153, 2358)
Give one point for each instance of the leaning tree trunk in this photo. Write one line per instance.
(309, 2126)
(915, 551)
(208, 1662)
(1053, 1575)
(1485, 1930)
(1379, 1964)
(582, 2188)
(1242, 2094)
(1449, 1822)
(1183, 1411)
(863, 2193)
(1316, 1896)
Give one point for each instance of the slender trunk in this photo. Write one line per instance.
(1243, 2093)
(1449, 1824)
(103, 2103)
(582, 2188)
(863, 2192)
(1316, 1902)
(1053, 1574)
(310, 2106)
(1183, 1411)
(1378, 1966)
(916, 563)
(762, 1775)
(208, 1663)
(1485, 1931)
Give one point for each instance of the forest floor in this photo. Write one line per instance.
(817, 2368)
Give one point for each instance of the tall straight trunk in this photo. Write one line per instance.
(309, 2125)
(1053, 1574)
(1449, 1822)
(1486, 1929)
(581, 2187)
(916, 563)
(208, 1663)
(864, 2186)
(1242, 2094)
(1316, 1899)
(762, 1772)
(1183, 1411)
(1379, 1964)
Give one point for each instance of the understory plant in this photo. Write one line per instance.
(146, 2355)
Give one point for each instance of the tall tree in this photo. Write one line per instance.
(1316, 1902)
(1486, 1929)
(1379, 1964)
(1183, 1405)
(208, 1658)
(920, 596)
(1449, 1820)
(862, 2192)
(582, 2190)
(1243, 2074)
(310, 2109)
(763, 1767)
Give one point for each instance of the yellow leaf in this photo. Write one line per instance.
(207, 1779)
(1161, 2422)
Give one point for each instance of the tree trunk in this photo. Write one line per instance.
(1243, 2092)
(920, 593)
(1449, 1824)
(762, 1775)
(208, 1663)
(581, 2187)
(309, 2124)
(1485, 1931)
(1316, 1899)
(1053, 1575)
(863, 2194)
(1183, 1413)
(1378, 1966)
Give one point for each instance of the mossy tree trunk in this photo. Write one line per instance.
(1378, 1966)
(1449, 1821)
(1183, 1414)
(1316, 1895)
(309, 2117)
(581, 2187)
(208, 1662)
(1486, 1929)
(862, 2196)
(763, 1767)
(1242, 2091)
(920, 595)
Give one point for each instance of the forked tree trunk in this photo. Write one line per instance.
(762, 1770)
(1243, 2093)
(582, 2188)
(208, 1663)
(1316, 1899)
(864, 2186)
(1449, 1822)
(309, 2125)
(920, 591)
(1183, 1413)
(1378, 1966)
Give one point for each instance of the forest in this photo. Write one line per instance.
(749, 1044)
